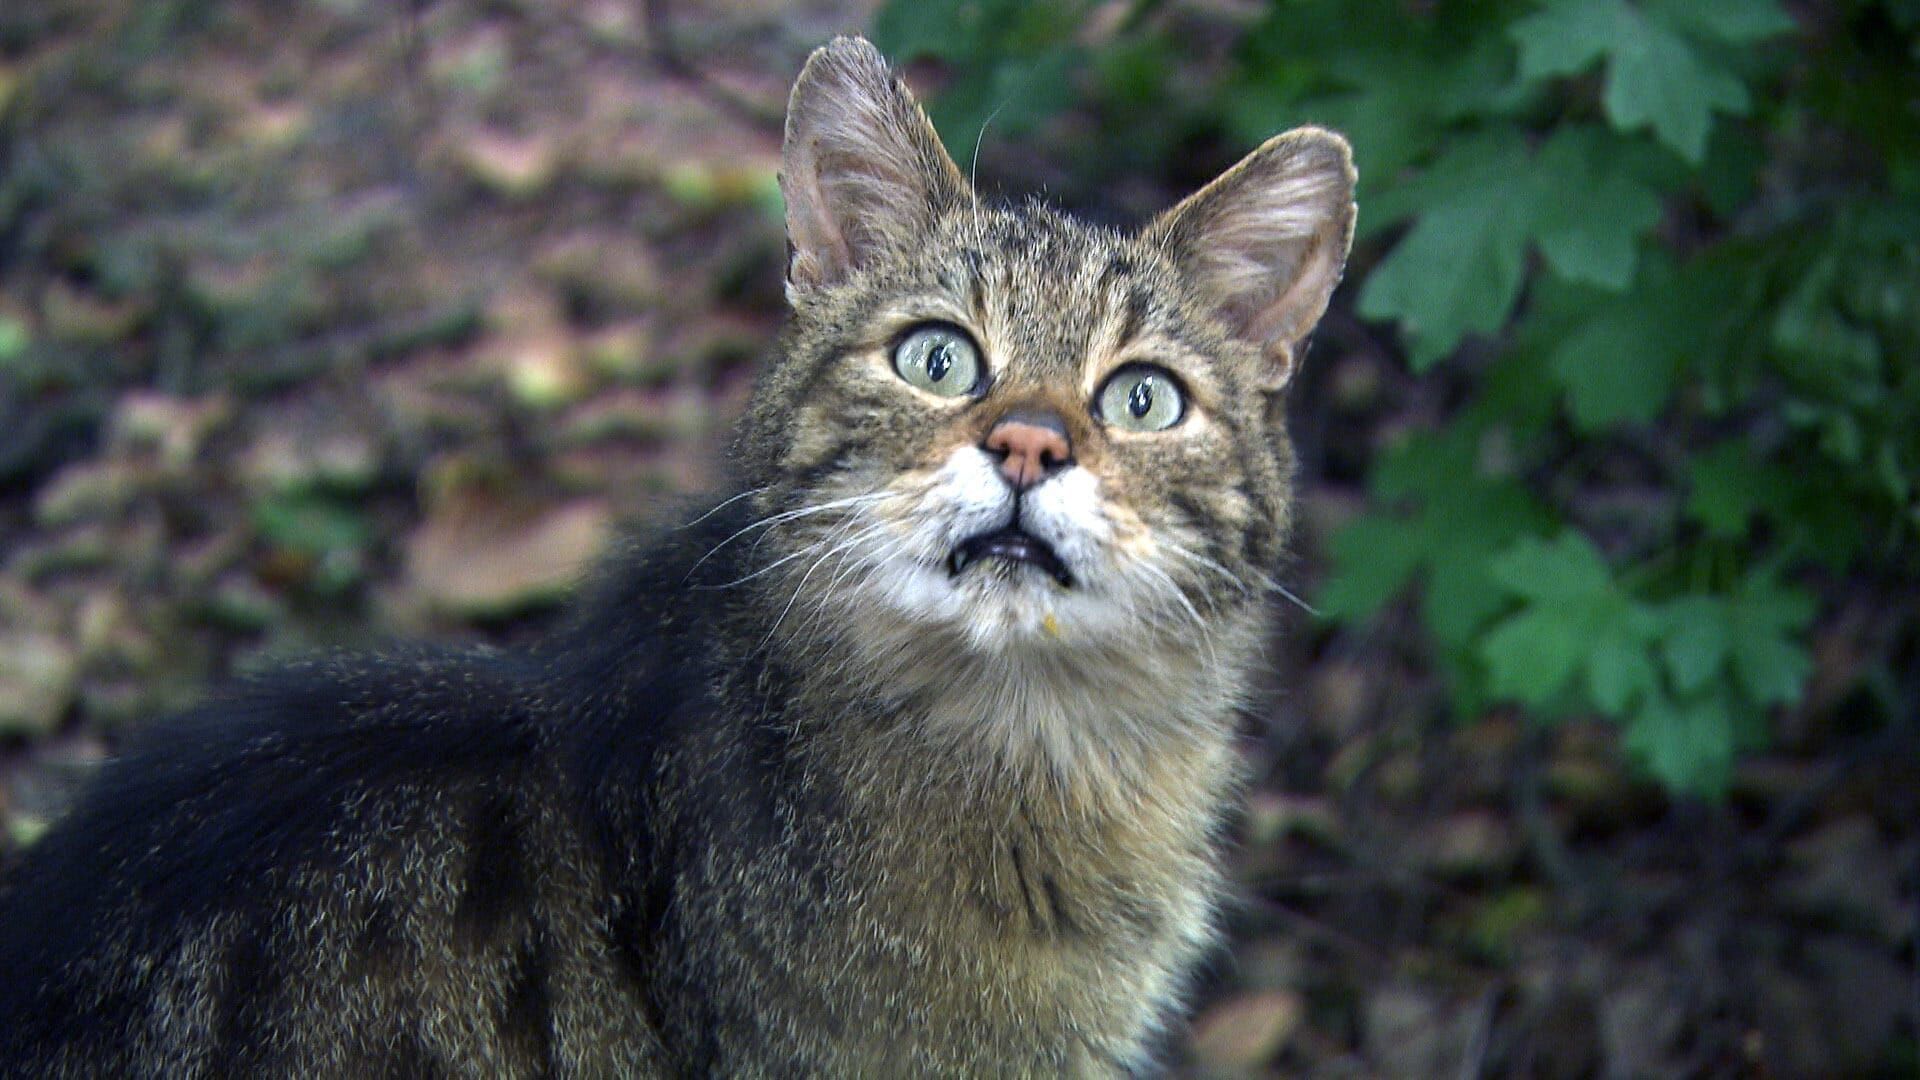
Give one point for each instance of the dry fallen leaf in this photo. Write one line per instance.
(1245, 1032)
(479, 556)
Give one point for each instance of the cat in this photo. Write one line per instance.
(911, 756)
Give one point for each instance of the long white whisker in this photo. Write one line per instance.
(777, 563)
(1301, 604)
(1204, 563)
(745, 494)
(1174, 589)
(973, 170)
(790, 515)
(797, 589)
(832, 536)
(1199, 624)
(1266, 582)
(851, 559)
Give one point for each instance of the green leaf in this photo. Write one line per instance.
(1532, 656)
(1010, 97)
(1519, 395)
(1657, 77)
(1695, 641)
(1615, 369)
(1619, 358)
(1772, 669)
(333, 534)
(1734, 166)
(1739, 22)
(1013, 63)
(311, 525)
(974, 31)
(1376, 556)
(1726, 488)
(1461, 596)
(14, 340)
(1592, 212)
(1458, 270)
(1657, 80)
(908, 31)
(1567, 568)
(1387, 132)
(1766, 621)
(1455, 519)
(1394, 92)
(1620, 673)
(1567, 37)
(1688, 746)
(1464, 517)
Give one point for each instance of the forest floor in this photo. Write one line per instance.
(343, 322)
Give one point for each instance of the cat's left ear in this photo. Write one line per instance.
(1266, 241)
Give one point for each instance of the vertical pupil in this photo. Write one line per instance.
(1140, 398)
(939, 361)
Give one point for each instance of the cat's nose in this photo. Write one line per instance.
(1032, 444)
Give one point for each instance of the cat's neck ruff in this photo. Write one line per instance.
(1096, 727)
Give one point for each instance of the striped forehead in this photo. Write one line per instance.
(1047, 290)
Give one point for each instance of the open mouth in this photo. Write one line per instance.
(1013, 545)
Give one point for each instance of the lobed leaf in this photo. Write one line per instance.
(1657, 75)
(1687, 745)
(1696, 641)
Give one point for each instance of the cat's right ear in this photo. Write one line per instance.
(862, 169)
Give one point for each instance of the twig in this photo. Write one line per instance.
(1365, 951)
(1543, 840)
(666, 53)
(1473, 1063)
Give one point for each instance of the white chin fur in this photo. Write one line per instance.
(996, 605)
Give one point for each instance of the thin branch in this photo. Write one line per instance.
(666, 53)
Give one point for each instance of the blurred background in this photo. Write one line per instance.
(338, 321)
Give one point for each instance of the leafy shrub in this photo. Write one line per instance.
(1667, 252)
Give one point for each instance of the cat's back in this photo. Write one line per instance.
(349, 861)
(421, 862)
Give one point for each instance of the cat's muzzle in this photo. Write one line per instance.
(1013, 544)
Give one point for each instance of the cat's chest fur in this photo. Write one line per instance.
(1038, 922)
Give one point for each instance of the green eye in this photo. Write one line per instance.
(1142, 398)
(938, 359)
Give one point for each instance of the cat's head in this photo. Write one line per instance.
(998, 429)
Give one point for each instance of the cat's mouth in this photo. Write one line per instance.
(1014, 545)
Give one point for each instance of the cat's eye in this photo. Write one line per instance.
(939, 359)
(1140, 397)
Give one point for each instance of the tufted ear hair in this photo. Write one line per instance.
(862, 169)
(1266, 241)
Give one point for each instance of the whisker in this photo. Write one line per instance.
(797, 589)
(790, 515)
(777, 563)
(1199, 624)
(1265, 581)
(1204, 563)
(1301, 604)
(1174, 589)
(973, 170)
(729, 502)
(851, 559)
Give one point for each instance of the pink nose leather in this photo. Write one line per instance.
(1032, 447)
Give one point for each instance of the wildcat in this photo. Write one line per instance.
(908, 757)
